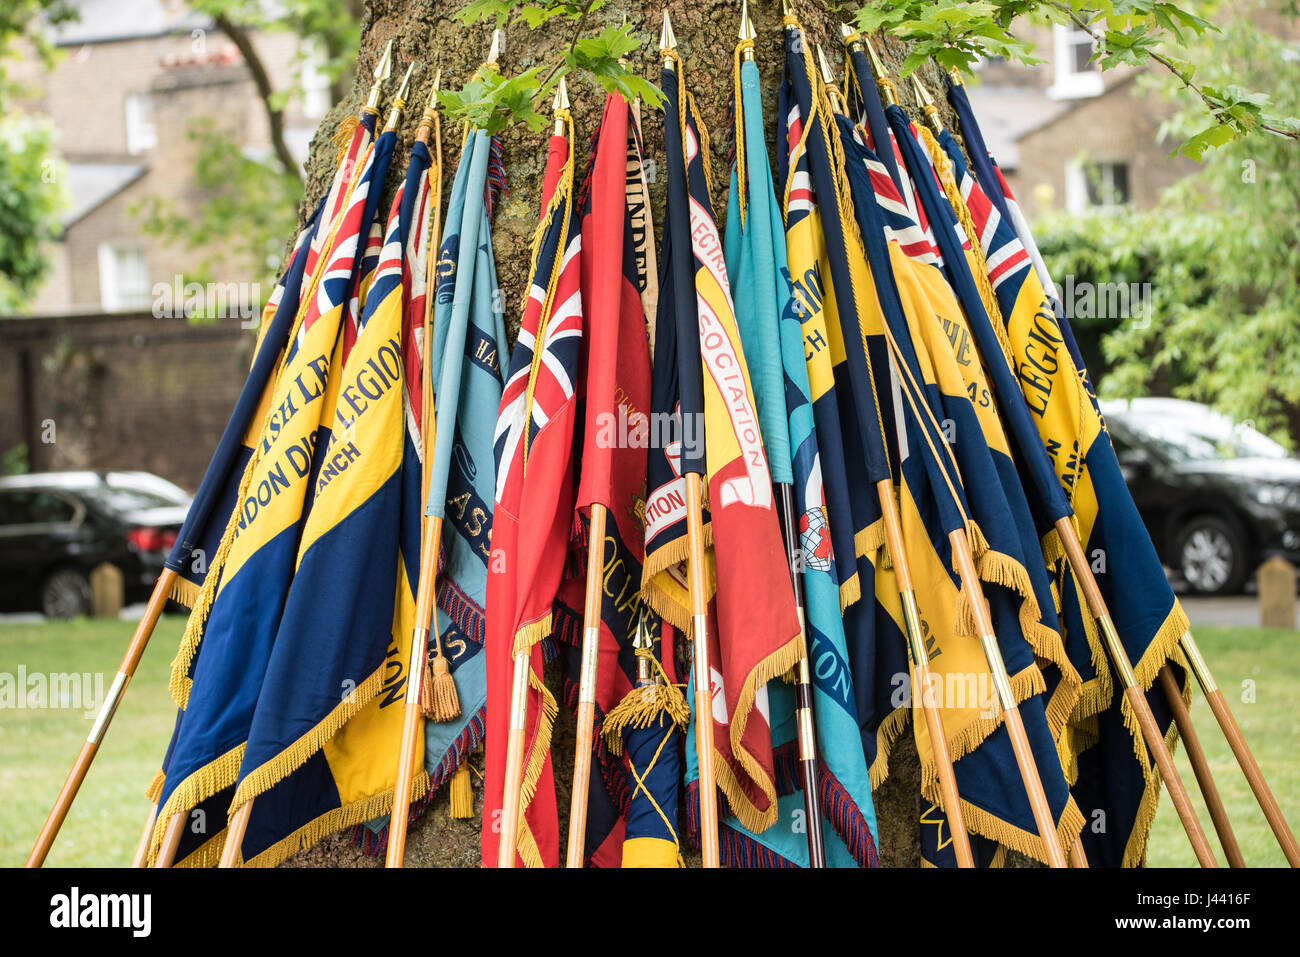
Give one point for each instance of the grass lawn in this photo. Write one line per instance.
(37, 745)
(1250, 663)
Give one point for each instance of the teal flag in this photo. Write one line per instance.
(774, 349)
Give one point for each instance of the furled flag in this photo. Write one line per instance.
(966, 479)
(469, 341)
(614, 438)
(1115, 774)
(1039, 501)
(874, 628)
(774, 348)
(754, 629)
(218, 671)
(317, 760)
(213, 503)
(205, 522)
(533, 513)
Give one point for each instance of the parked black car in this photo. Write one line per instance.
(57, 526)
(1217, 497)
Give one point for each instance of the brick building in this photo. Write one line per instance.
(133, 78)
(94, 378)
(1070, 137)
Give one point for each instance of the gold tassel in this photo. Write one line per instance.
(461, 793)
(343, 136)
(438, 699)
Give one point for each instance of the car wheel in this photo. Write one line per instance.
(66, 594)
(1211, 556)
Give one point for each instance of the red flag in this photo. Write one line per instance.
(533, 515)
(616, 379)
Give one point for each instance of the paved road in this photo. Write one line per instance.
(1231, 610)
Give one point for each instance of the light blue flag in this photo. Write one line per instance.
(756, 260)
(470, 349)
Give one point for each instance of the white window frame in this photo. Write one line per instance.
(1076, 185)
(316, 100)
(1071, 83)
(141, 132)
(111, 295)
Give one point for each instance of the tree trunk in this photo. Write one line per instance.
(706, 34)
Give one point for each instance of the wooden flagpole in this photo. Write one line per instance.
(146, 837)
(238, 823)
(511, 798)
(587, 687)
(1015, 725)
(922, 678)
(172, 840)
(1133, 693)
(697, 588)
(89, 748)
(1240, 750)
(590, 657)
(1201, 768)
(412, 711)
(696, 575)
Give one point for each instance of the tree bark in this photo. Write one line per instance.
(706, 31)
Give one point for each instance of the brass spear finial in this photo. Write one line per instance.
(927, 106)
(883, 83)
(787, 8)
(399, 100)
(498, 42)
(851, 36)
(383, 70)
(667, 40)
(561, 102)
(747, 33)
(430, 108)
(828, 78)
(956, 77)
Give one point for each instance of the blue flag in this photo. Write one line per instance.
(774, 348)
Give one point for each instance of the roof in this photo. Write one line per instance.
(93, 184)
(102, 21)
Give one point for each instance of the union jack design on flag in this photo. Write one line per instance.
(416, 281)
(541, 383)
(900, 218)
(336, 200)
(533, 514)
(1004, 253)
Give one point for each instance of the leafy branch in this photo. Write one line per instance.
(1135, 33)
(491, 101)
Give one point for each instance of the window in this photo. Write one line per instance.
(141, 134)
(123, 277)
(35, 508)
(1076, 74)
(1094, 185)
(315, 82)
